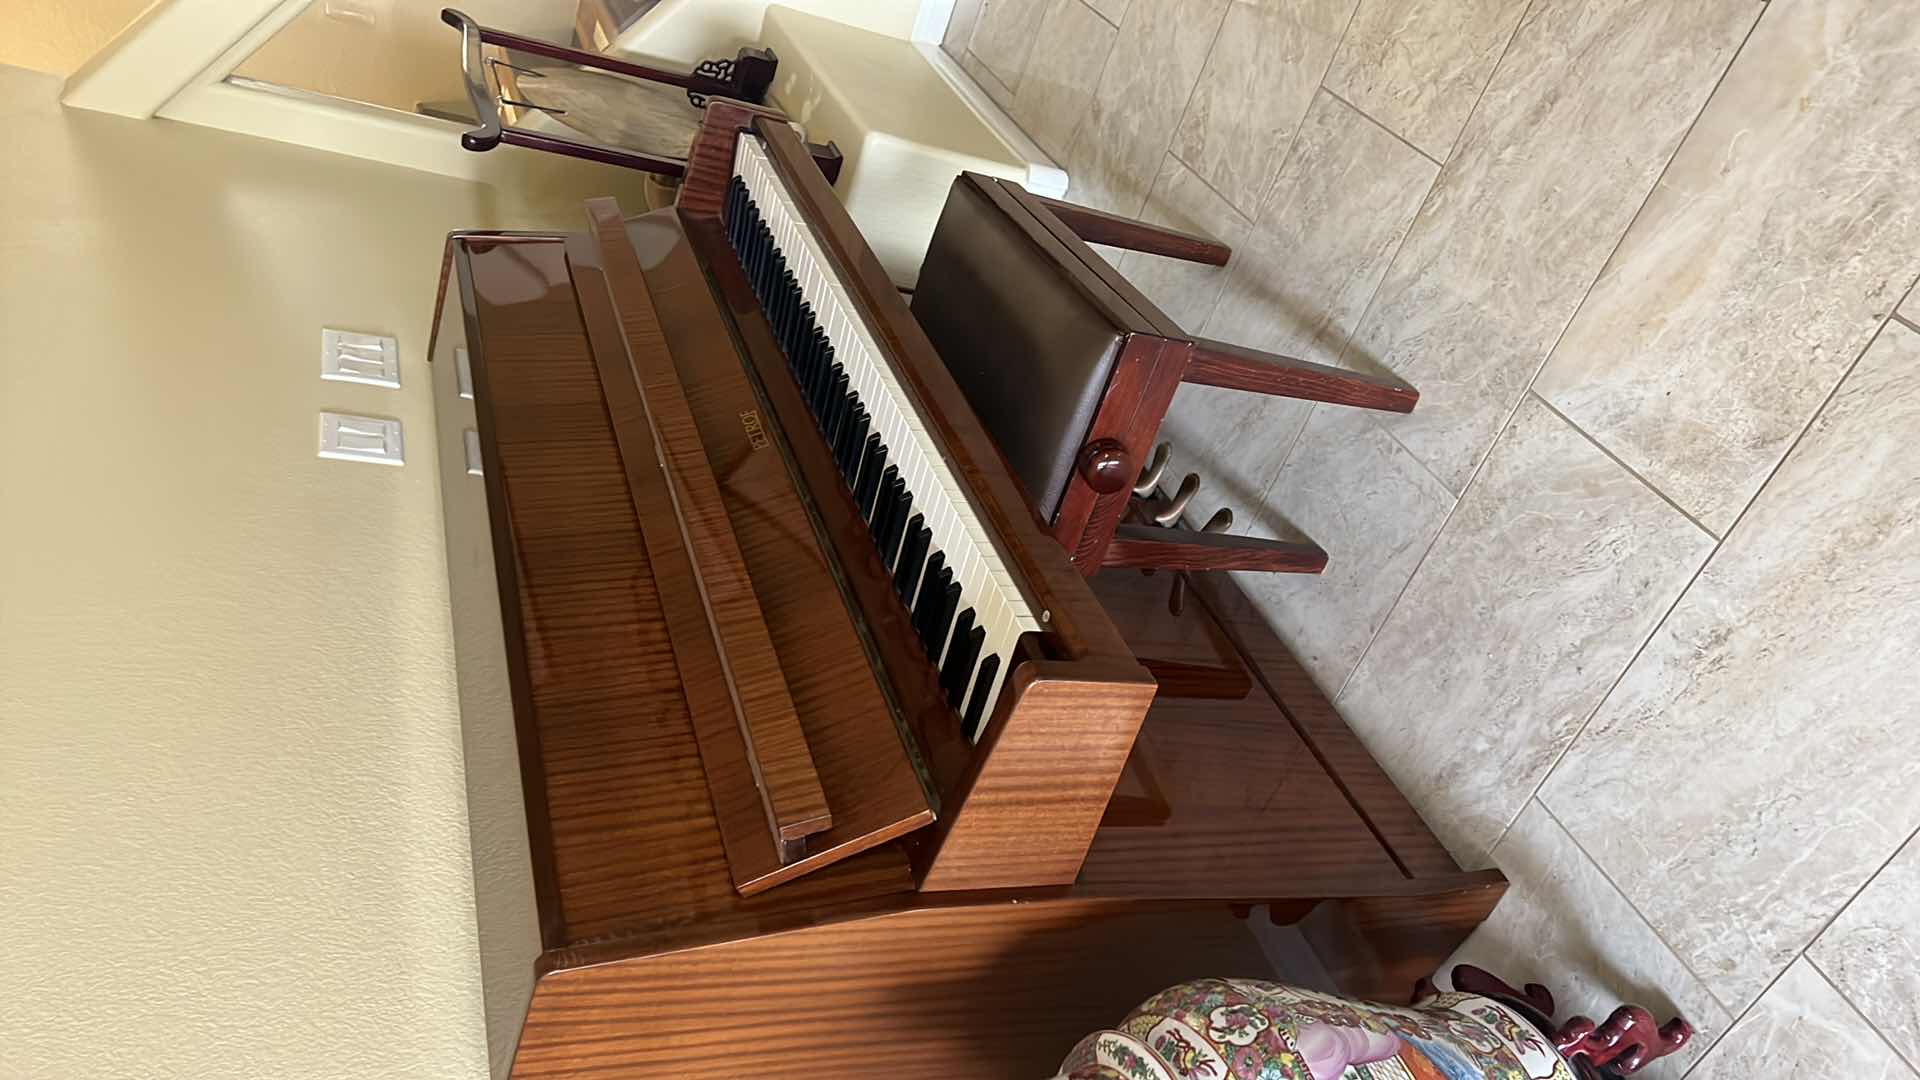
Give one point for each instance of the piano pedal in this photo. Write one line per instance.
(1150, 476)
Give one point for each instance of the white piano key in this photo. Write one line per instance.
(986, 584)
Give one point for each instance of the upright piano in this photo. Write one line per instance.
(794, 742)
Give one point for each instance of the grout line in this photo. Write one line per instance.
(1906, 322)
(1859, 1012)
(1802, 952)
(1548, 358)
(1492, 74)
(1359, 323)
(1101, 15)
(1208, 184)
(1194, 90)
(1685, 964)
(1401, 139)
(1733, 527)
(1615, 458)
(1080, 122)
(1387, 616)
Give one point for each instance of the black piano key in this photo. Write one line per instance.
(816, 385)
(857, 444)
(756, 257)
(891, 540)
(819, 359)
(791, 306)
(853, 441)
(922, 604)
(777, 297)
(977, 701)
(737, 211)
(809, 326)
(940, 615)
(957, 671)
(821, 379)
(885, 504)
(871, 459)
(842, 402)
(832, 384)
(913, 554)
(837, 409)
(763, 262)
(780, 291)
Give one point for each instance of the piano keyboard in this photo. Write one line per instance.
(963, 601)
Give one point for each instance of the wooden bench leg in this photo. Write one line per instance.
(1100, 227)
(1147, 547)
(1217, 363)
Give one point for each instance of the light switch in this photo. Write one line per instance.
(463, 372)
(361, 438)
(473, 454)
(361, 358)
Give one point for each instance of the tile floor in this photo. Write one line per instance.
(1628, 606)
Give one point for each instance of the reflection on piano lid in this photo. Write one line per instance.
(961, 596)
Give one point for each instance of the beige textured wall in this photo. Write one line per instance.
(233, 839)
(58, 35)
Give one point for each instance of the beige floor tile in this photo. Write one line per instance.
(1784, 231)
(1067, 59)
(987, 80)
(1562, 924)
(1148, 77)
(1588, 105)
(1780, 235)
(1329, 226)
(1910, 307)
(960, 24)
(1740, 783)
(1418, 67)
(1553, 570)
(1872, 951)
(1373, 509)
(1003, 37)
(1258, 83)
(1802, 1028)
(1185, 291)
(1114, 11)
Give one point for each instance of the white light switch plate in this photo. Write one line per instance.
(463, 372)
(361, 358)
(361, 438)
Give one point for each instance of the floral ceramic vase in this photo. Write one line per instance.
(1236, 1029)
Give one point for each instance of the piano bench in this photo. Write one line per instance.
(1072, 370)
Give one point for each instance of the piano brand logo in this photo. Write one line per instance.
(756, 433)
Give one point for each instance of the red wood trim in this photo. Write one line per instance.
(1100, 227)
(1217, 363)
(1153, 548)
(776, 745)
